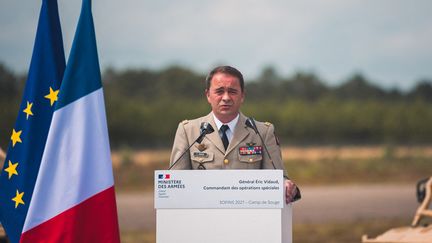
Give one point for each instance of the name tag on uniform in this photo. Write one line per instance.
(201, 154)
(250, 150)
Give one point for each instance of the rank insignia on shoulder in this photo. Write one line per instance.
(201, 147)
(201, 154)
(184, 122)
(250, 150)
(267, 123)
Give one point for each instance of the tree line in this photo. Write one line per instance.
(144, 107)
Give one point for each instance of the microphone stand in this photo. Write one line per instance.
(250, 122)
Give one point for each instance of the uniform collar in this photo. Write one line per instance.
(232, 124)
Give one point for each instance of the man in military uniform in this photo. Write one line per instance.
(233, 145)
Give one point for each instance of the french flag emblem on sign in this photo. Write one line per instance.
(164, 176)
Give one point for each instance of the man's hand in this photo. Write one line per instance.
(290, 191)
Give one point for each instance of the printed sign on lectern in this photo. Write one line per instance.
(219, 189)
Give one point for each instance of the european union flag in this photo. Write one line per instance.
(29, 135)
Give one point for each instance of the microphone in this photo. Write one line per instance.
(250, 122)
(205, 128)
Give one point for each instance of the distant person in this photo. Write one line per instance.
(233, 145)
(2, 156)
(2, 232)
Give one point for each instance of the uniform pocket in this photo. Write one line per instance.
(202, 157)
(250, 158)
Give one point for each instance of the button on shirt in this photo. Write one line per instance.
(232, 124)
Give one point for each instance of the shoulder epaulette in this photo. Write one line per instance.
(185, 122)
(267, 124)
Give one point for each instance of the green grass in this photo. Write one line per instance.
(133, 177)
(138, 237)
(398, 170)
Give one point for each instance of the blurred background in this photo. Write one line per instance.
(348, 85)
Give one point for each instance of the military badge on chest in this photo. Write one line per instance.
(200, 155)
(201, 147)
(250, 149)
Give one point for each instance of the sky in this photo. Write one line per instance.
(388, 41)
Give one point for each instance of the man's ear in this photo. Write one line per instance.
(206, 92)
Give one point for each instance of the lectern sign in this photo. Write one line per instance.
(218, 189)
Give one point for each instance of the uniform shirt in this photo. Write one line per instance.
(232, 124)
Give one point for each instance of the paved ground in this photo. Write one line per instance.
(320, 204)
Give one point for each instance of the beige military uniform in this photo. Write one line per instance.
(210, 154)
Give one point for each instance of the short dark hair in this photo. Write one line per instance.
(226, 70)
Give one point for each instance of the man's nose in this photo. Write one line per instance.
(226, 96)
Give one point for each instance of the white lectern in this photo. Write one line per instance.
(221, 206)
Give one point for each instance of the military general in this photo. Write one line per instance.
(234, 144)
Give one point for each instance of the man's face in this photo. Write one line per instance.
(225, 96)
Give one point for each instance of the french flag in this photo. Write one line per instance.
(73, 198)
